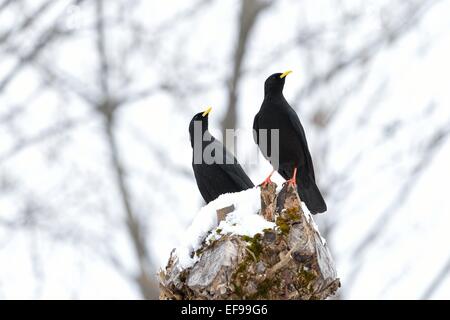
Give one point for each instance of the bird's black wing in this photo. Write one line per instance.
(232, 168)
(295, 121)
(221, 177)
(265, 149)
(237, 174)
(202, 184)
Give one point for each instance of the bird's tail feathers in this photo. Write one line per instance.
(310, 194)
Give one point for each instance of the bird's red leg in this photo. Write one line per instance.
(267, 180)
(292, 180)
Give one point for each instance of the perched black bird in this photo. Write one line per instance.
(295, 161)
(219, 174)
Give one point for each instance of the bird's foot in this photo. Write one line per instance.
(267, 180)
(291, 182)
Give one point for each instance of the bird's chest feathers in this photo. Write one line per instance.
(275, 117)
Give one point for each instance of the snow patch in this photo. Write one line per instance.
(244, 220)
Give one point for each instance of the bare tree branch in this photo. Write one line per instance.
(101, 48)
(59, 128)
(5, 4)
(369, 50)
(145, 279)
(250, 10)
(28, 22)
(45, 39)
(431, 149)
(438, 279)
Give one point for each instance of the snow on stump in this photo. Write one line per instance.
(254, 244)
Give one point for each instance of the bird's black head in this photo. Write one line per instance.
(275, 83)
(200, 120)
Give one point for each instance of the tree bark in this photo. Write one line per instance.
(290, 261)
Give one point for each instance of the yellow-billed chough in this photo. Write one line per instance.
(216, 170)
(294, 162)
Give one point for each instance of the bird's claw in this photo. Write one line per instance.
(265, 182)
(291, 182)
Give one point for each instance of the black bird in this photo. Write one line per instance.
(220, 174)
(295, 163)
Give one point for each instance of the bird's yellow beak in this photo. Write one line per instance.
(207, 111)
(285, 74)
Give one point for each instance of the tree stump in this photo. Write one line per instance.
(290, 261)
